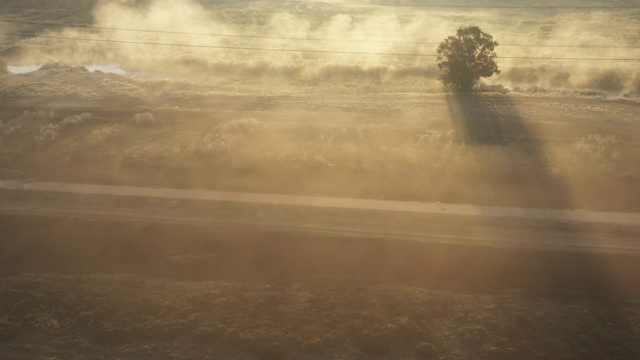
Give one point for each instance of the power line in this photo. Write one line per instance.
(92, 27)
(394, 3)
(216, 46)
(200, 34)
(297, 50)
(451, 6)
(567, 58)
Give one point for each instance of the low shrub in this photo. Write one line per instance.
(144, 119)
(51, 131)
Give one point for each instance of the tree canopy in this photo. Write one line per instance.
(466, 57)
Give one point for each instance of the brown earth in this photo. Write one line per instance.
(228, 292)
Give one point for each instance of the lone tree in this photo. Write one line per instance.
(466, 57)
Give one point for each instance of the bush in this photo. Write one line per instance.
(493, 88)
(51, 131)
(228, 135)
(28, 120)
(144, 119)
(76, 119)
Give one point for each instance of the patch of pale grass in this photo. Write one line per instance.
(602, 152)
(26, 120)
(595, 155)
(103, 134)
(50, 131)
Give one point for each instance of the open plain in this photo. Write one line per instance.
(289, 180)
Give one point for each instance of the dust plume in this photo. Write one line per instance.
(324, 32)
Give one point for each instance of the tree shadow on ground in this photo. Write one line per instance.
(491, 124)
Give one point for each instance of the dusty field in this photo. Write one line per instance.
(326, 123)
(93, 317)
(510, 150)
(225, 292)
(315, 121)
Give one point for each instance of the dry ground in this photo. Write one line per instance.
(225, 292)
(200, 292)
(318, 125)
(128, 317)
(511, 150)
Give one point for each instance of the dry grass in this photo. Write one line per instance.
(24, 123)
(333, 298)
(50, 131)
(369, 147)
(396, 147)
(132, 317)
(244, 293)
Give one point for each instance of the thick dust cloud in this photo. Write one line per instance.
(325, 32)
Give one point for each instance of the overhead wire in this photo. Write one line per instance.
(445, 6)
(295, 50)
(214, 46)
(249, 36)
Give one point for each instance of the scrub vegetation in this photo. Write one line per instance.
(131, 317)
(242, 293)
(406, 147)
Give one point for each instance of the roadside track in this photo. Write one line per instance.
(327, 202)
(509, 227)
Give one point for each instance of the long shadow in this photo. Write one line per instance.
(477, 121)
(491, 124)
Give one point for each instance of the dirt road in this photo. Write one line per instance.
(431, 222)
